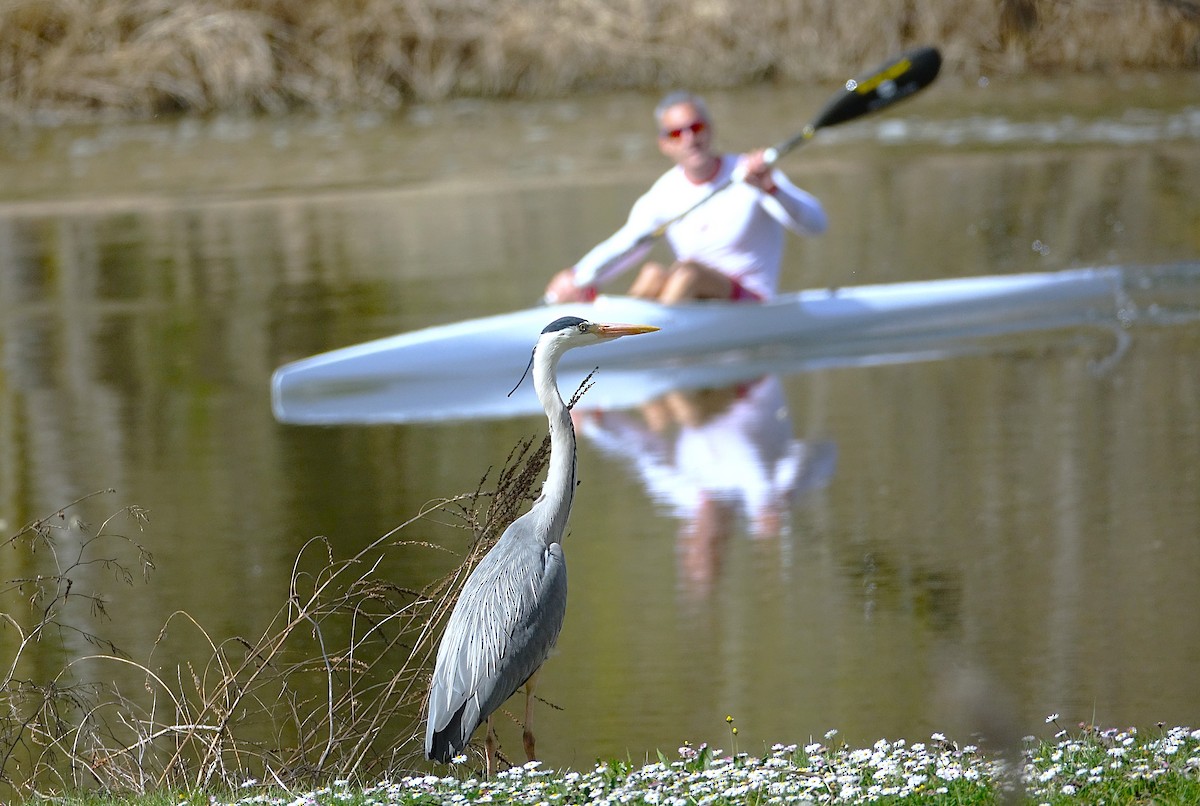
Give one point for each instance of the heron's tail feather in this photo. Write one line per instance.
(443, 745)
(440, 749)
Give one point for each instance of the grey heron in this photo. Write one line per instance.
(511, 608)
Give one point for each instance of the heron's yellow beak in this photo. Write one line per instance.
(612, 331)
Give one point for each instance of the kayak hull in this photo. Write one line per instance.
(467, 368)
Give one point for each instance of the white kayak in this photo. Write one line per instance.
(466, 369)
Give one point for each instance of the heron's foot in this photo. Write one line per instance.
(527, 738)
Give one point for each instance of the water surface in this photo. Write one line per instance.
(888, 550)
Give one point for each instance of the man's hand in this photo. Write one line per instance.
(562, 288)
(757, 172)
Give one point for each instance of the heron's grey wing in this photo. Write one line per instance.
(505, 622)
(534, 635)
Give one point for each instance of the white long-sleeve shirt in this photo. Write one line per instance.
(739, 232)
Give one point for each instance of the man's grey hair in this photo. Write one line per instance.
(681, 97)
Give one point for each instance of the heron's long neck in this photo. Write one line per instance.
(559, 489)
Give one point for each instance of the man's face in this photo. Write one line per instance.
(685, 136)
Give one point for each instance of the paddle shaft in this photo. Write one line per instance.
(892, 81)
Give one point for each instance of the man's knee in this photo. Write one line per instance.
(649, 282)
(654, 273)
(690, 279)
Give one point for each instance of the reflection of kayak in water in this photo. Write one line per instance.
(464, 370)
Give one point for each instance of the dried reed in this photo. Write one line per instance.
(71, 58)
(333, 687)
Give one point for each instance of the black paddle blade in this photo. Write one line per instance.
(885, 85)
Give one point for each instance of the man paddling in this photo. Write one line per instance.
(728, 248)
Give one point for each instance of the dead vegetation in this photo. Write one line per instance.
(333, 687)
(64, 59)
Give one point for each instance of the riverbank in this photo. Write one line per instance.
(1093, 766)
(135, 59)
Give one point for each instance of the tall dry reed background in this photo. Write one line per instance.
(63, 59)
(333, 687)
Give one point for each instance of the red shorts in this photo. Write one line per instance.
(739, 292)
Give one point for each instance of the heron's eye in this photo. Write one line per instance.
(584, 327)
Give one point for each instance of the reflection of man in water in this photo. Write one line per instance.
(715, 458)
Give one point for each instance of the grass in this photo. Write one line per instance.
(1091, 765)
(139, 58)
(332, 686)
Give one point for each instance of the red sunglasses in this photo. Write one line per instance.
(696, 127)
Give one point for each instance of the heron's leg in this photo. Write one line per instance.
(489, 749)
(527, 735)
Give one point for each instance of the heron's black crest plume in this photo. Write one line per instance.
(528, 367)
(561, 323)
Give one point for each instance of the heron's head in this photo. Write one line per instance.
(571, 331)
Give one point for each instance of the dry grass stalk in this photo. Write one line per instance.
(334, 686)
(70, 58)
